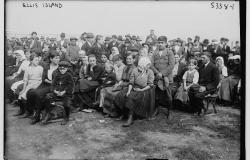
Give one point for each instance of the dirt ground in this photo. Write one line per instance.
(90, 136)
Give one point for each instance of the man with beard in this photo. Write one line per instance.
(162, 64)
(208, 80)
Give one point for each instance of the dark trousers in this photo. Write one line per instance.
(196, 99)
(52, 97)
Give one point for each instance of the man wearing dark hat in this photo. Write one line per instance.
(72, 51)
(134, 43)
(88, 44)
(53, 44)
(113, 43)
(205, 45)
(124, 50)
(62, 89)
(97, 48)
(35, 45)
(63, 42)
(208, 80)
(162, 64)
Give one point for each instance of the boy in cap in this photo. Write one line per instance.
(61, 89)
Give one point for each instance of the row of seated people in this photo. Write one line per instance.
(118, 89)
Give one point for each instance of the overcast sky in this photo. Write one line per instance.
(173, 19)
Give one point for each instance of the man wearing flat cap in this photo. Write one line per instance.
(63, 42)
(97, 48)
(72, 51)
(35, 45)
(125, 49)
(113, 43)
(88, 44)
(53, 44)
(162, 64)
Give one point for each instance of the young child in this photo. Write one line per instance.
(108, 80)
(62, 89)
(190, 77)
(83, 69)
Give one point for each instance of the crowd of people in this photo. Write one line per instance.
(119, 76)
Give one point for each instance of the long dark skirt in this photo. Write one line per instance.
(228, 89)
(141, 103)
(108, 104)
(36, 97)
(86, 85)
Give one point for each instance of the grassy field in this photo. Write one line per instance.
(90, 136)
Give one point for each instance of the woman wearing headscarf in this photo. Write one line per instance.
(114, 51)
(22, 63)
(222, 68)
(136, 98)
(228, 86)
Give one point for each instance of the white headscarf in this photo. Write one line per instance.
(112, 54)
(21, 52)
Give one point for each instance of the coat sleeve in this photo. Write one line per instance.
(151, 78)
(153, 65)
(171, 60)
(70, 84)
(97, 73)
(215, 79)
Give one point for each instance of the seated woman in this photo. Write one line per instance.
(92, 80)
(123, 74)
(32, 80)
(190, 78)
(104, 59)
(228, 86)
(62, 89)
(37, 96)
(222, 68)
(136, 98)
(22, 63)
(108, 80)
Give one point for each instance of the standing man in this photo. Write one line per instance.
(152, 36)
(72, 52)
(88, 44)
(62, 42)
(35, 45)
(162, 64)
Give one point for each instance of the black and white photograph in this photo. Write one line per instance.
(124, 80)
